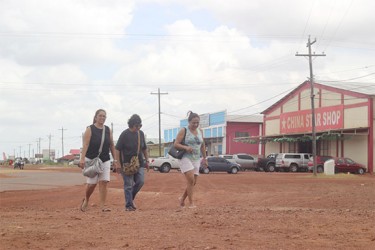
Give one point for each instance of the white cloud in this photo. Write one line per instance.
(62, 60)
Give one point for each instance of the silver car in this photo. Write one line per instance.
(292, 162)
(246, 161)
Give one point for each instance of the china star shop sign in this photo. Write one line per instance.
(326, 118)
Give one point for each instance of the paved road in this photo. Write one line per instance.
(37, 179)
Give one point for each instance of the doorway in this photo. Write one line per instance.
(305, 147)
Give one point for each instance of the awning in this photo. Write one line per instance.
(330, 135)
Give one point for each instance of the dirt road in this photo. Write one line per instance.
(249, 210)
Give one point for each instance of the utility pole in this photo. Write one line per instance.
(159, 117)
(49, 147)
(309, 43)
(38, 144)
(29, 150)
(62, 141)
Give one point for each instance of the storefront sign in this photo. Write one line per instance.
(326, 118)
(204, 120)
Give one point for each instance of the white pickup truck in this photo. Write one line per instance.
(164, 164)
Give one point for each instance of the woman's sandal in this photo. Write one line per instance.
(83, 206)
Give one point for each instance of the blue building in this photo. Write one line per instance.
(219, 130)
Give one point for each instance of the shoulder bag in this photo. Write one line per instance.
(132, 167)
(177, 153)
(94, 166)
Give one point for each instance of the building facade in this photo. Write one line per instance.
(344, 123)
(219, 131)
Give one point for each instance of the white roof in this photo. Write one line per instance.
(245, 118)
(363, 88)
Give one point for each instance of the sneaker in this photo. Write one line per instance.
(134, 206)
(130, 209)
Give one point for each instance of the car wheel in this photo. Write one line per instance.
(293, 168)
(361, 171)
(206, 170)
(271, 168)
(234, 170)
(165, 168)
(320, 169)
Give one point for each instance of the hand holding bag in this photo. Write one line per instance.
(132, 167)
(94, 166)
(177, 153)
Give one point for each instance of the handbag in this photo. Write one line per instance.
(132, 167)
(177, 153)
(94, 166)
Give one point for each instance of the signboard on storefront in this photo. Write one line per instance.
(204, 120)
(326, 118)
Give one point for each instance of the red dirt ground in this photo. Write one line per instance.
(249, 210)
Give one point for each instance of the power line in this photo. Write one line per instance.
(338, 26)
(354, 78)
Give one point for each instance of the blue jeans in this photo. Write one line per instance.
(132, 185)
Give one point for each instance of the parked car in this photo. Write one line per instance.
(219, 164)
(164, 164)
(228, 157)
(319, 163)
(292, 162)
(267, 164)
(345, 165)
(246, 161)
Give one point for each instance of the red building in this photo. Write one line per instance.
(242, 126)
(344, 123)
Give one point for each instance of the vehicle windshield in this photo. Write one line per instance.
(350, 161)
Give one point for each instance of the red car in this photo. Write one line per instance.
(345, 165)
(342, 165)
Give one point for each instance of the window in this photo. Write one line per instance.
(214, 132)
(228, 156)
(241, 134)
(245, 157)
(324, 148)
(292, 156)
(207, 133)
(350, 161)
(220, 132)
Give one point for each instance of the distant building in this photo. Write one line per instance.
(48, 154)
(219, 131)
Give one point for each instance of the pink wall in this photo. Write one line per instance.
(233, 147)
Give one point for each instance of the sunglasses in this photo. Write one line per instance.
(138, 125)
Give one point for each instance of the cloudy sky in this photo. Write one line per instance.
(61, 60)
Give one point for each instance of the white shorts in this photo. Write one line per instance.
(186, 165)
(105, 176)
